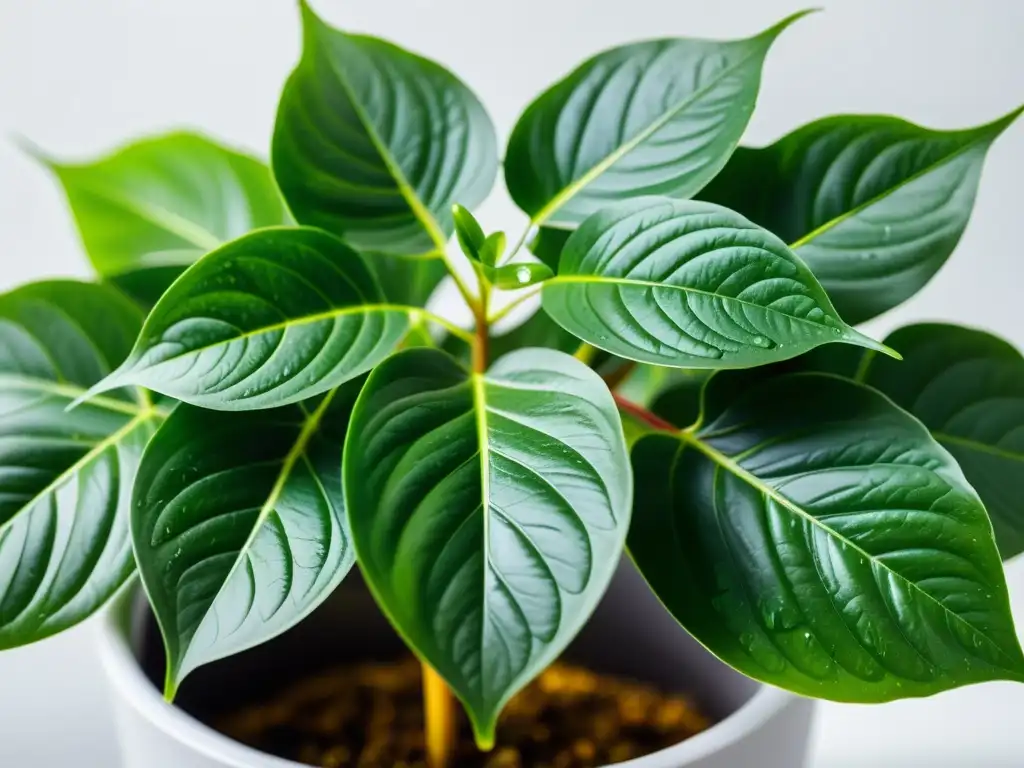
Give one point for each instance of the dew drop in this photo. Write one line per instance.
(523, 275)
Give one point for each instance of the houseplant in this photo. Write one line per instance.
(866, 573)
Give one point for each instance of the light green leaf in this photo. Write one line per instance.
(150, 209)
(512, 277)
(470, 235)
(65, 477)
(488, 511)
(690, 285)
(239, 524)
(270, 319)
(375, 143)
(814, 536)
(874, 205)
(651, 118)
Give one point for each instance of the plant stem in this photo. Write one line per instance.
(643, 415)
(518, 245)
(585, 353)
(512, 305)
(439, 711)
(620, 374)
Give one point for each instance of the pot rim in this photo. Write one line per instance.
(130, 682)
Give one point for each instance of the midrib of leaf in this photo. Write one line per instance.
(94, 453)
(412, 199)
(690, 438)
(850, 333)
(360, 309)
(73, 393)
(480, 406)
(159, 217)
(974, 445)
(309, 427)
(570, 191)
(830, 224)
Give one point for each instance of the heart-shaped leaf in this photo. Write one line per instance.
(239, 524)
(814, 536)
(689, 284)
(65, 477)
(652, 118)
(152, 208)
(270, 319)
(488, 511)
(967, 387)
(375, 143)
(874, 205)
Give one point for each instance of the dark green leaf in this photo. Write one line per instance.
(407, 280)
(65, 477)
(471, 236)
(814, 536)
(691, 285)
(488, 511)
(275, 317)
(874, 205)
(967, 387)
(375, 143)
(548, 244)
(239, 524)
(652, 118)
(151, 209)
(539, 330)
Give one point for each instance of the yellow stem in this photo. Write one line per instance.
(439, 710)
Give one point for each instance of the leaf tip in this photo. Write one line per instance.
(854, 336)
(33, 150)
(777, 29)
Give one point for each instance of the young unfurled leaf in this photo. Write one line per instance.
(691, 285)
(492, 249)
(513, 276)
(815, 537)
(874, 205)
(154, 207)
(488, 511)
(468, 231)
(374, 143)
(239, 524)
(967, 387)
(65, 477)
(272, 318)
(651, 118)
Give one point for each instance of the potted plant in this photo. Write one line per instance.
(255, 397)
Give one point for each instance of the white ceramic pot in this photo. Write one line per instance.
(758, 726)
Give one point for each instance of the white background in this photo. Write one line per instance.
(79, 76)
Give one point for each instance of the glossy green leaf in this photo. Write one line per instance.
(65, 477)
(375, 143)
(548, 244)
(873, 205)
(814, 536)
(967, 387)
(512, 277)
(691, 285)
(270, 319)
(488, 511)
(407, 280)
(152, 208)
(493, 248)
(468, 231)
(651, 118)
(539, 330)
(239, 524)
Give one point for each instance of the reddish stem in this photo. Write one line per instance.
(642, 414)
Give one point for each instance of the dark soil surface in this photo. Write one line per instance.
(371, 716)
